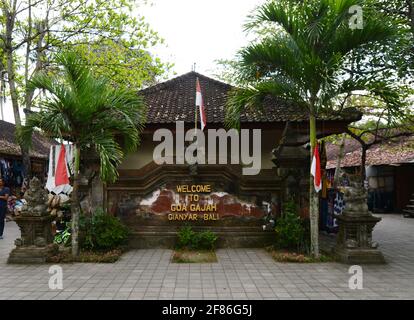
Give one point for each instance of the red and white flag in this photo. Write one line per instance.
(200, 105)
(61, 174)
(316, 169)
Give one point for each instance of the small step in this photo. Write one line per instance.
(175, 229)
(408, 211)
(410, 206)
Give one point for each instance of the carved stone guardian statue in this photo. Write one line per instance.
(354, 242)
(36, 239)
(36, 197)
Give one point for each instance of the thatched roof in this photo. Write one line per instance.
(395, 151)
(8, 145)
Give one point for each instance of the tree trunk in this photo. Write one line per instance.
(338, 163)
(363, 162)
(40, 55)
(313, 196)
(15, 104)
(26, 65)
(10, 16)
(75, 204)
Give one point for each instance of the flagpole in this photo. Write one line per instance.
(195, 121)
(196, 114)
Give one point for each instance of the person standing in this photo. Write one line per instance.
(4, 195)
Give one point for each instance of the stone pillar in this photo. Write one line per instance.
(97, 193)
(291, 159)
(35, 243)
(354, 241)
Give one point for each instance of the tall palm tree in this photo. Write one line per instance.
(91, 114)
(301, 54)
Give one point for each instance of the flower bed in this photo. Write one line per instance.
(86, 256)
(194, 256)
(288, 256)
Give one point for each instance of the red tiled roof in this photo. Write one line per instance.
(174, 100)
(395, 151)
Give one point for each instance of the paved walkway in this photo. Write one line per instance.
(239, 274)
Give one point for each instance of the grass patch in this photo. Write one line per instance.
(86, 257)
(194, 256)
(288, 256)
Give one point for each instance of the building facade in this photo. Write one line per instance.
(154, 199)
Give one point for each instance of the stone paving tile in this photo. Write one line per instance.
(239, 274)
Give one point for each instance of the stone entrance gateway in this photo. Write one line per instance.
(146, 197)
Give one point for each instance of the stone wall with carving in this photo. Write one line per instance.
(166, 206)
(151, 197)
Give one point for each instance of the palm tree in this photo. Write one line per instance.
(301, 54)
(91, 114)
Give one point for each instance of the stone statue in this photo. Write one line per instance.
(355, 198)
(354, 241)
(36, 197)
(35, 242)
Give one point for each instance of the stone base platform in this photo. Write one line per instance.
(354, 241)
(228, 237)
(360, 256)
(31, 254)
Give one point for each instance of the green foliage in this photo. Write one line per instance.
(102, 232)
(290, 231)
(206, 240)
(303, 56)
(119, 46)
(188, 239)
(88, 111)
(397, 58)
(110, 36)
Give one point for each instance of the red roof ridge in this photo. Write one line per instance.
(162, 85)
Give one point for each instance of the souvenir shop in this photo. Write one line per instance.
(331, 202)
(11, 171)
(381, 184)
(11, 166)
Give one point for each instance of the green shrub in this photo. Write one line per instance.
(188, 239)
(102, 232)
(206, 240)
(289, 228)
